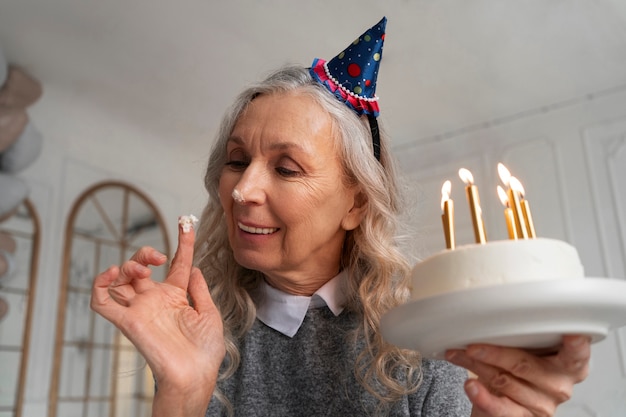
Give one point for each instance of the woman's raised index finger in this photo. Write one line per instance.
(180, 268)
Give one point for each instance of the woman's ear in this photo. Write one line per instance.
(354, 216)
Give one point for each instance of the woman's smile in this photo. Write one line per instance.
(257, 230)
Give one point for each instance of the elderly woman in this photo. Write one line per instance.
(297, 246)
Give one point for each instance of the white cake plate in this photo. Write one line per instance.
(530, 315)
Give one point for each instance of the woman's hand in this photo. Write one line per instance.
(515, 383)
(183, 344)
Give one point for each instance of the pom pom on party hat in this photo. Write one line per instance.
(351, 75)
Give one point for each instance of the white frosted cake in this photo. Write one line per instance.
(495, 263)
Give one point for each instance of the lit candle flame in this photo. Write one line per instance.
(514, 199)
(518, 188)
(504, 199)
(446, 189)
(508, 213)
(504, 173)
(516, 185)
(466, 176)
(447, 207)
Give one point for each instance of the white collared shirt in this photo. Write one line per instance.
(285, 312)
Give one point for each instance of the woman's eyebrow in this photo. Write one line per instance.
(235, 139)
(277, 146)
(283, 146)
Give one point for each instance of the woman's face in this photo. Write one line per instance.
(295, 212)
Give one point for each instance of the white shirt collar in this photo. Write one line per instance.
(285, 312)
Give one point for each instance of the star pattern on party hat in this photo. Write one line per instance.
(351, 75)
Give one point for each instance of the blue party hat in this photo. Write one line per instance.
(351, 75)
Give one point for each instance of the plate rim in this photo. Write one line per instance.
(612, 292)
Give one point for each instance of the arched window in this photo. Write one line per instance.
(97, 372)
(19, 250)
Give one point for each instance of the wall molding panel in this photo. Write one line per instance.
(605, 146)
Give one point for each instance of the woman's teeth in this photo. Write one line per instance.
(257, 230)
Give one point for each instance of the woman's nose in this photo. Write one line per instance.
(251, 187)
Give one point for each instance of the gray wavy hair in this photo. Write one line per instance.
(377, 270)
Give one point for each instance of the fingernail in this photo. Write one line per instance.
(451, 355)
(471, 388)
(577, 341)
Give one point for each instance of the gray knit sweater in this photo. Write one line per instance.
(312, 374)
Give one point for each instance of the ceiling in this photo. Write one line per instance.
(171, 67)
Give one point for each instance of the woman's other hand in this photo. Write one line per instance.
(182, 342)
(515, 383)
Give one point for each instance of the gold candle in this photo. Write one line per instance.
(508, 214)
(520, 223)
(528, 218)
(447, 218)
(514, 201)
(473, 199)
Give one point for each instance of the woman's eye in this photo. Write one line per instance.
(237, 165)
(286, 172)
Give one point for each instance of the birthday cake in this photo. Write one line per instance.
(495, 263)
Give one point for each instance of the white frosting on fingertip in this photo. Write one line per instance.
(187, 222)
